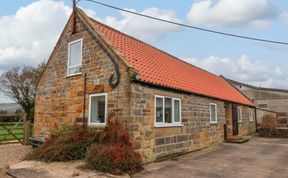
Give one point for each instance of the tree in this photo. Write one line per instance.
(19, 84)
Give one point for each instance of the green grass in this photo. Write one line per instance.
(17, 130)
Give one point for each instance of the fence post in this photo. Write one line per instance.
(26, 131)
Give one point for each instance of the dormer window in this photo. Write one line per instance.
(74, 57)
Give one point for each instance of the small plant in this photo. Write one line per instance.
(114, 158)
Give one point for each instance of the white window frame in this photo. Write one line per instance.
(106, 108)
(180, 109)
(79, 65)
(210, 108)
(239, 116)
(163, 124)
(251, 114)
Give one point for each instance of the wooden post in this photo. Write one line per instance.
(26, 131)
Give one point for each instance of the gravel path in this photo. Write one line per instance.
(11, 154)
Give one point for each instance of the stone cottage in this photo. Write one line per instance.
(168, 106)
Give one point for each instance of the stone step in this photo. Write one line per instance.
(239, 141)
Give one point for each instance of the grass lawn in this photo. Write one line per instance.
(17, 130)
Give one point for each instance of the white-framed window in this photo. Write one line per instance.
(239, 114)
(98, 109)
(213, 113)
(167, 111)
(74, 57)
(250, 114)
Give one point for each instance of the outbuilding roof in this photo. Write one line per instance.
(159, 68)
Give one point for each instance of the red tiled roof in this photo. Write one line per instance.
(159, 68)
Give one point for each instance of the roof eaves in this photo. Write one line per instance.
(166, 87)
(227, 80)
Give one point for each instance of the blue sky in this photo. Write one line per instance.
(30, 30)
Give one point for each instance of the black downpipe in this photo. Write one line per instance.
(255, 110)
(84, 100)
(225, 132)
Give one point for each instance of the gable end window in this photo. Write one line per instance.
(167, 111)
(74, 57)
(97, 109)
(213, 113)
(239, 114)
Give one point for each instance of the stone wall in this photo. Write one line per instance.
(197, 132)
(275, 133)
(59, 99)
(245, 127)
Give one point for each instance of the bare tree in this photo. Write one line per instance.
(19, 84)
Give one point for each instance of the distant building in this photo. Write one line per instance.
(265, 98)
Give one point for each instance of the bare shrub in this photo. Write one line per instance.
(268, 124)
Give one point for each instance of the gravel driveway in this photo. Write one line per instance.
(11, 154)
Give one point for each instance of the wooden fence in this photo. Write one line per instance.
(11, 132)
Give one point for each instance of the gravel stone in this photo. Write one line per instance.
(11, 154)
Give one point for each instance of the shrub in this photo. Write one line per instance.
(114, 134)
(111, 150)
(66, 147)
(268, 124)
(114, 158)
(114, 153)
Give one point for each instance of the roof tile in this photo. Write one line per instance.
(160, 68)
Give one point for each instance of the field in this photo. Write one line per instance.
(5, 135)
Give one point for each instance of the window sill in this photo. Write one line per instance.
(73, 75)
(97, 125)
(168, 125)
(213, 123)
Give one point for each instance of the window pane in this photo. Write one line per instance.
(159, 109)
(213, 113)
(75, 70)
(251, 114)
(239, 114)
(98, 109)
(168, 110)
(75, 54)
(176, 111)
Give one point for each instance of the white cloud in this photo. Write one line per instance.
(233, 13)
(29, 36)
(284, 16)
(143, 28)
(244, 69)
